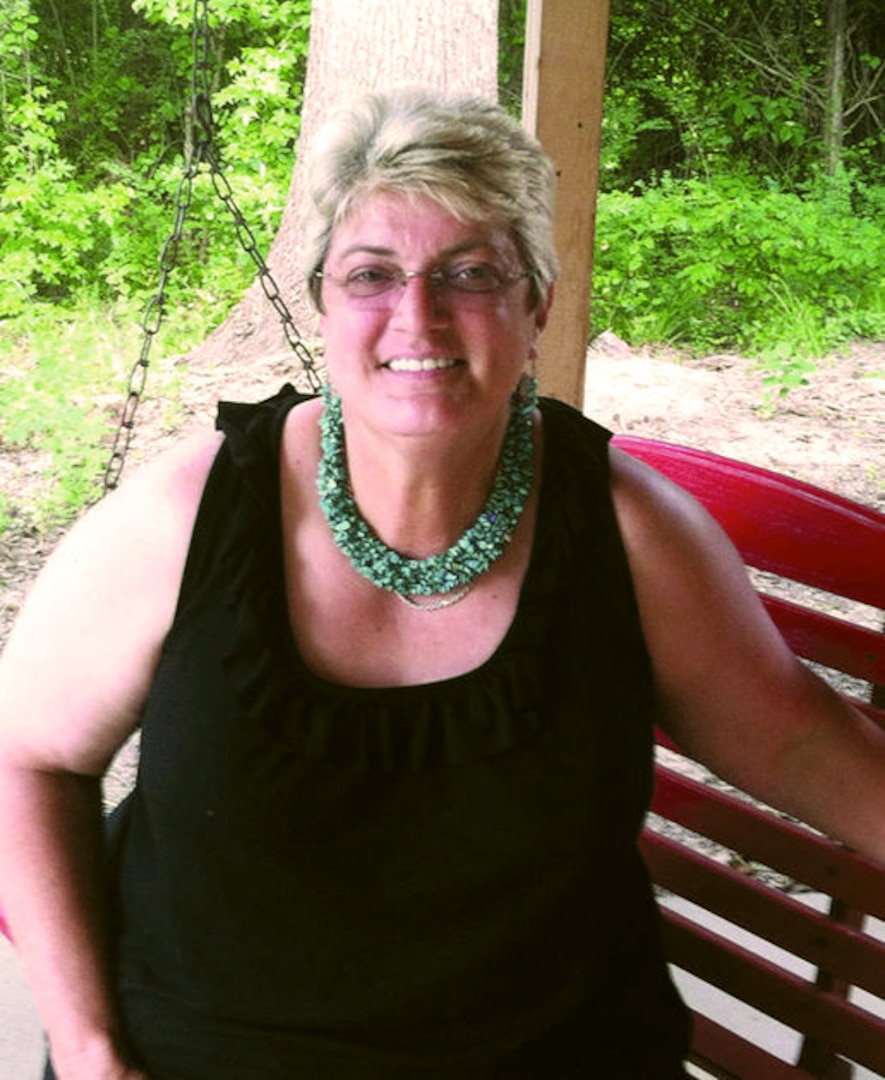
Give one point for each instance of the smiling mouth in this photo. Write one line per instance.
(413, 363)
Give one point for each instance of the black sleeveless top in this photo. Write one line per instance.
(437, 880)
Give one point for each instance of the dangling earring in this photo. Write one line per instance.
(524, 399)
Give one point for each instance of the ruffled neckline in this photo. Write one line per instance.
(479, 714)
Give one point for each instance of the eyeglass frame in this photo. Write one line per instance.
(386, 297)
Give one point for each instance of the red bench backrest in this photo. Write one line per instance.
(803, 963)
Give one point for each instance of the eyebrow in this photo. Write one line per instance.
(446, 253)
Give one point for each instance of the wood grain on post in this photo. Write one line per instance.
(562, 105)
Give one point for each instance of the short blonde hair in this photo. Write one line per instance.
(463, 152)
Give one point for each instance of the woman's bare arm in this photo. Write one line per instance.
(73, 677)
(733, 694)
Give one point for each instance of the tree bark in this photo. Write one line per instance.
(355, 46)
(834, 117)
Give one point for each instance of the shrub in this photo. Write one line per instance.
(729, 263)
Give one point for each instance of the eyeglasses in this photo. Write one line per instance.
(381, 286)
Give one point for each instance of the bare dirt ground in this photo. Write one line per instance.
(830, 432)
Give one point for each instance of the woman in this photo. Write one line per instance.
(396, 654)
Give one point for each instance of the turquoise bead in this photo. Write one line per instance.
(473, 552)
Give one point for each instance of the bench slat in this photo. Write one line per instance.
(837, 948)
(850, 1031)
(761, 836)
(830, 641)
(726, 1055)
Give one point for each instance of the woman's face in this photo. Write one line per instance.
(425, 357)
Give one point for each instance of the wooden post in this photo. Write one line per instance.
(562, 104)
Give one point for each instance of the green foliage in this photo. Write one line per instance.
(732, 264)
(62, 382)
(18, 34)
(91, 158)
(717, 86)
(511, 51)
(258, 100)
(48, 404)
(84, 207)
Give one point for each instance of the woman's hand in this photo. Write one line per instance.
(113, 1072)
(99, 1058)
(103, 1065)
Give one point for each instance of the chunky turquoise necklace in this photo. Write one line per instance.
(449, 572)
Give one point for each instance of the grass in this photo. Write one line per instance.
(63, 380)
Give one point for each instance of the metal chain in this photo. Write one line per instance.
(201, 150)
(269, 286)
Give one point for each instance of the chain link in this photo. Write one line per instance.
(200, 150)
(269, 286)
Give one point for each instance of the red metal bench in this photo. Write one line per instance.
(812, 537)
(821, 973)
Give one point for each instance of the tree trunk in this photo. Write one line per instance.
(355, 46)
(834, 116)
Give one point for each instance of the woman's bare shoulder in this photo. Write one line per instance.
(81, 655)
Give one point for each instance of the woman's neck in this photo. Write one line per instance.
(419, 495)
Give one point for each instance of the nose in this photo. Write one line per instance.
(419, 301)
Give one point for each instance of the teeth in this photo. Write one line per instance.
(409, 363)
